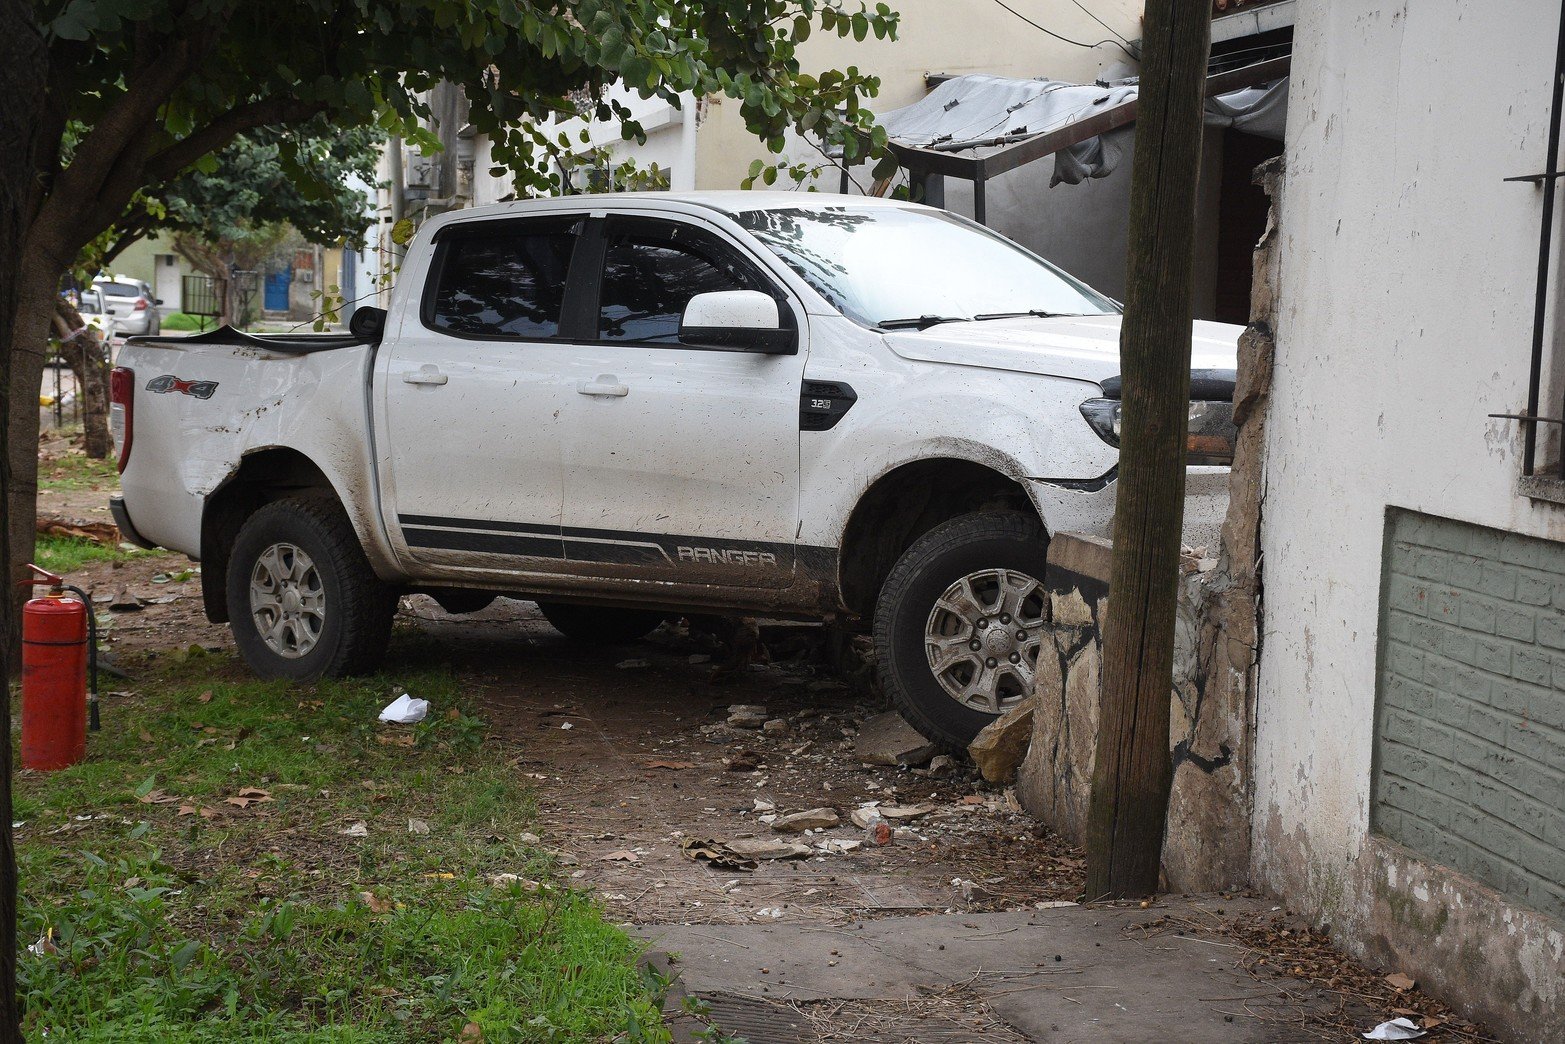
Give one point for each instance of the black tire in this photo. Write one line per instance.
(935, 561)
(600, 624)
(358, 608)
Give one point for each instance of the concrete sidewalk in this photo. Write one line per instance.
(1063, 974)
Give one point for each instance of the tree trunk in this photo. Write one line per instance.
(84, 352)
(1133, 772)
(23, 73)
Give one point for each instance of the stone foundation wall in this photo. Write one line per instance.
(1207, 843)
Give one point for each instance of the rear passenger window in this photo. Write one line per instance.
(503, 281)
(649, 276)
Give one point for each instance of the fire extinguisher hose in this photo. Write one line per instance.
(92, 655)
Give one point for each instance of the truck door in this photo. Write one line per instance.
(681, 463)
(471, 395)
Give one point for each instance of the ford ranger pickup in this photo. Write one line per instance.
(630, 408)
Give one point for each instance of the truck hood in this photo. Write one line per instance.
(1082, 348)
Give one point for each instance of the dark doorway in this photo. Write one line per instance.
(1241, 218)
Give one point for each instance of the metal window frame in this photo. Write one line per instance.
(1549, 180)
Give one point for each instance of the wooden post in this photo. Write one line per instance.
(23, 78)
(1133, 772)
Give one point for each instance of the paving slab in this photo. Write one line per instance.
(1068, 973)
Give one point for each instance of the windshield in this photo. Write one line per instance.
(893, 264)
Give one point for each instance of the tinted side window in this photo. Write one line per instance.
(503, 281)
(648, 277)
(120, 289)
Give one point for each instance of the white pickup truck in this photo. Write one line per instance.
(635, 407)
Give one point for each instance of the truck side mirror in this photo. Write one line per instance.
(737, 321)
(368, 324)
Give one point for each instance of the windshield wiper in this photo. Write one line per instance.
(1040, 313)
(923, 322)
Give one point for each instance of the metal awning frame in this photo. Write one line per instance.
(920, 163)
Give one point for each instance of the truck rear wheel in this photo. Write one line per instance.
(959, 623)
(303, 602)
(600, 624)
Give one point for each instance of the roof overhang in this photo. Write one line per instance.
(986, 160)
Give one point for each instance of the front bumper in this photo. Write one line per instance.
(1079, 507)
(127, 528)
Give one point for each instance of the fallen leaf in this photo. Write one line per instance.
(972, 799)
(622, 856)
(472, 1033)
(1400, 982)
(417, 826)
(394, 739)
(454, 715)
(440, 875)
(248, 796)
(356, 829)
(144, 736)
(205, 697)
(376, 904)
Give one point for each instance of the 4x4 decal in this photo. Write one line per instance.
(169, 383)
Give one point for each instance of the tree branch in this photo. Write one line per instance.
(164, 165)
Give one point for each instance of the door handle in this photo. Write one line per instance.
(425, 374)
(606, 384)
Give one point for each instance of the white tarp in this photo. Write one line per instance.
(981, 114)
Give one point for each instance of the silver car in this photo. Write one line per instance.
(131, 303)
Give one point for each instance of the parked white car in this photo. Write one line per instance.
(132, 304)
(632, 407)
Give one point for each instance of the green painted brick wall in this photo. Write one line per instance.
(1470, 704)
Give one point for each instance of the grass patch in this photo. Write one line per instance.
(77, 471)
(181, 321)
(194, 876)
(65, 555)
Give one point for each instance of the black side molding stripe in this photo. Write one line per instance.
(491, 543)
(607, 546)
(477, 523)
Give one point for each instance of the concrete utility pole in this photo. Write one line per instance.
(1133, 772)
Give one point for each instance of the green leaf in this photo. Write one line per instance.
(185, 954)
(146, 786)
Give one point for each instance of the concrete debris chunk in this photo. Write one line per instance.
(1002, 744)
(886, 739)
(814, 819)
(763, 848)
(839, 846)
(775, 727)
(942, 765)
(904, 813)
(125, 602)
(747, 715)
(863, 815)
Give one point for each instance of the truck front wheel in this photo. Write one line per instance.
(959, 623)
(303, 602)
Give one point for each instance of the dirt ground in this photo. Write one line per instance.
(632, 759)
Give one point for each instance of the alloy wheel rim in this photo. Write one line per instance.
(983, 637)
(287, 600)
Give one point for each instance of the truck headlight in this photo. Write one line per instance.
(1211, 429)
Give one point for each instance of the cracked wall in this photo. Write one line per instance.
(1406, 296)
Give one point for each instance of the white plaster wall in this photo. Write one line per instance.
(1407, 286)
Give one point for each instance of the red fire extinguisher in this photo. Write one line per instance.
(58, 639)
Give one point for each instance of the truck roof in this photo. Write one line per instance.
(731, 201)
